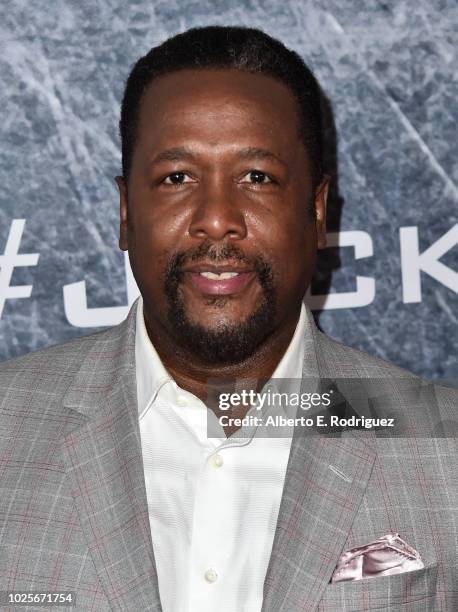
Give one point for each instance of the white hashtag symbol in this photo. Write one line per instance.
(10, 260)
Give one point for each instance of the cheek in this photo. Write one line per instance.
(157, 224)
(294, 251)
(287, 233)
(150, 253)
(153, 230)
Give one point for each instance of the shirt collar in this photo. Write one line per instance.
(152, 375)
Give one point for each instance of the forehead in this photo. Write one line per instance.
(218, 105)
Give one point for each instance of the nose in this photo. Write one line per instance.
(217, 213)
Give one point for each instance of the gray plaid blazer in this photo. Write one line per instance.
(73, 510)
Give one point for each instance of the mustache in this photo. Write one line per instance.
(218, 254)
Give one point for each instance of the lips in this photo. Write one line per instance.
(218, 280)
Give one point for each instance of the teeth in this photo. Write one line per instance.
(221, 276)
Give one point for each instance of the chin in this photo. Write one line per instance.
(222, 337)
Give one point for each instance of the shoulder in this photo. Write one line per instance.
(348, 361)
(33, 388)
(49, 365)
(340, 360)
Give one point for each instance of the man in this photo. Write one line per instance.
(111, 487)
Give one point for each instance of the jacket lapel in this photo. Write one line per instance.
(324, 485)
(105, 467)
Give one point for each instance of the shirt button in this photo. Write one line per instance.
(182, 401)
(210, 575)
(217, 461)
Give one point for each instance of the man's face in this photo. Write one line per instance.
(216, 216)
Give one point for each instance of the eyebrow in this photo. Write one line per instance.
(256, 153)
(184, 153)
(174, 154)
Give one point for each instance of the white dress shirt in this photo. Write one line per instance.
(213, 502)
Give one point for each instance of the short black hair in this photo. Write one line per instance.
(240, 48)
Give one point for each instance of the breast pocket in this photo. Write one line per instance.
(413, 591)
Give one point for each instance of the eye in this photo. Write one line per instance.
(177, 178)
(257, 177)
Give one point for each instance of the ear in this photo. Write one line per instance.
(122, 212)
(321, 196)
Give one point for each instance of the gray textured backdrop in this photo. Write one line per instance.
(388, 69)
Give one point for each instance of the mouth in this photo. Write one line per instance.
(219, 280)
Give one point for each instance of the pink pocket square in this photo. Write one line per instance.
(385, 556)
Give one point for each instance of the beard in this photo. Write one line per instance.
(228, 343)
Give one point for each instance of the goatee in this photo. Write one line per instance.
(228, 343)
